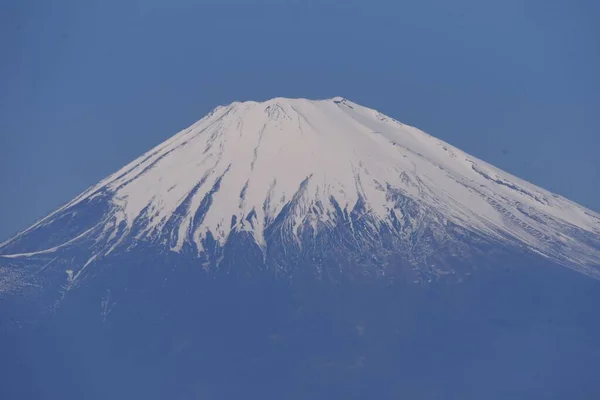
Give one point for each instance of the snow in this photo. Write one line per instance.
(249, 159)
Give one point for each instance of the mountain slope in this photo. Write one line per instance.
(298, 249)
(298, 169)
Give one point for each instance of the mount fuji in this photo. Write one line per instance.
(304, 249)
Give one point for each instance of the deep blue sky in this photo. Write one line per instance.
(86, 86)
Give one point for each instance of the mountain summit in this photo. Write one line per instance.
(286, 172)
(298, 249)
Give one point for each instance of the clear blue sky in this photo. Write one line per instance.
(86, 86)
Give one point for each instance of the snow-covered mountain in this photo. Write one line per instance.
(295, 168)
(303, 249)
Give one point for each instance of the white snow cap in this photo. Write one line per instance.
(251, 159)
